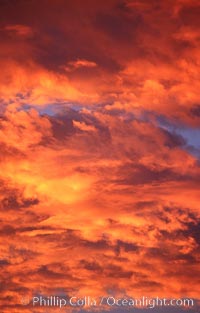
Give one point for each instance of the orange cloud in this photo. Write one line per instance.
(20, 30)
(73, 65)
(99, 165)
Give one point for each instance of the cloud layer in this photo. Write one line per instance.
(99, 165)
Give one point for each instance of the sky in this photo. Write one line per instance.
(99, 151)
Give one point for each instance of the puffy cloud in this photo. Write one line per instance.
(73, 65)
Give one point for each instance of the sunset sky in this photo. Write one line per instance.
(99, 150)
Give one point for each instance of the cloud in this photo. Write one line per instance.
(84, 127)
(73, 65)
(99, 184)
(36, 85)
(19, 30)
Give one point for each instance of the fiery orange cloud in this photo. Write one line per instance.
(99, 163)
